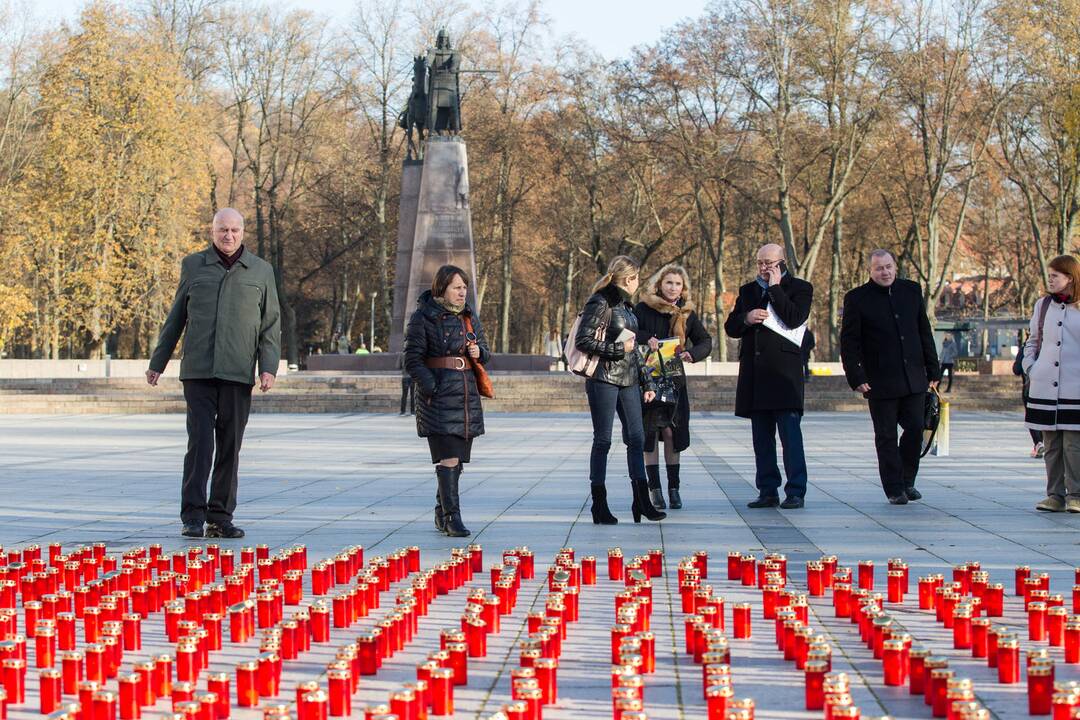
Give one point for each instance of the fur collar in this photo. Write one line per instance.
(679, 312)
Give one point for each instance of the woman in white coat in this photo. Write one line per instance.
(1052, 362)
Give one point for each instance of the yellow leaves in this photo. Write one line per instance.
(109, 203)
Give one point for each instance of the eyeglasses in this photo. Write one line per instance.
(768, 263)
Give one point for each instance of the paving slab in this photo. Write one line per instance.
(332, 481)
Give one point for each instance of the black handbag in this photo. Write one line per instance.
(667, 395)
(931, 417)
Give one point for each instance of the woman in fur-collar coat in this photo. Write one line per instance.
(666, 311)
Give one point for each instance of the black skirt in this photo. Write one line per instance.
(449, 446)
(679, 422)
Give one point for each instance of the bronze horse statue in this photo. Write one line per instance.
(415, 113)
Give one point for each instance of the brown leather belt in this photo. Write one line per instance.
(453, 362)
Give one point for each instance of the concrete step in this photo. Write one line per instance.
(539, 392)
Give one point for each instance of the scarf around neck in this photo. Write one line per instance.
(679, 311)
(449, 306)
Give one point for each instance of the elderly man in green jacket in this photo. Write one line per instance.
(227, 309)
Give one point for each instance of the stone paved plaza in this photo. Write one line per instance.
(330, 481)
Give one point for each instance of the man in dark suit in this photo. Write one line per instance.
(770, 386)
(888, 351)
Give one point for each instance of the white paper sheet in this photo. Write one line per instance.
(794, 335)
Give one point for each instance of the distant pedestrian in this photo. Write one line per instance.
(1038, 450)
(771, 381)
(949, 354)
(666, 311)
(438, 347)
(808, 345)
(616, 386)
(889, 355)
(408, 388)
(226, 307)
(1052, 362)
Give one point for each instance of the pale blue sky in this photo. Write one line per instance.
(611, 27)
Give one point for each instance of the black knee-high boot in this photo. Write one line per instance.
(673, 486)
(655, 493)
(448, 498)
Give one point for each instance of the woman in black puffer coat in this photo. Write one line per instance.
(616, 385)
(438, 347)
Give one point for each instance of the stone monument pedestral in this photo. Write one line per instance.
(434, 227)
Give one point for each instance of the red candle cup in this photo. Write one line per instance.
(1008, 661)
(1040, 687)
(741, 620)
(866, 574)
(1037, 621)
(442, 691)
(894, 663)
(815, 684)
(1072, 642)
(218, 684)
(50, 690)
(615, 564)
(247, 694)
(717, 700)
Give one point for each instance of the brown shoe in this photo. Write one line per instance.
(1072, 504)
(1052, 503)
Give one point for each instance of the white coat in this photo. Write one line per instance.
(1054, 377)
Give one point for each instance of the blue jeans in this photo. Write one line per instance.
(765, 424)
(605, 400)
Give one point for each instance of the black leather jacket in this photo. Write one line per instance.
(616, 366)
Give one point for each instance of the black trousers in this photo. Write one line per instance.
(217, 413)
(898, 463)
(947, 368)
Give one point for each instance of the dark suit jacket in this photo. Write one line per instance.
(770, 366)
(886, 340)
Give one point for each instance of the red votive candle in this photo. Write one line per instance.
(866, 574)
(962, 628)
(740, 615)
(893, 664)
(994, 600)
(247, 694)
(442, 691)
(917, 670)
(1022, 573)
(615, 564)
(218, 683)
(50, 690)
(734, 565)
(14, 676)
(130, 708)
(1040, 687)
(717, 700)
(1008, 661)
(895, 589)
(980, 633)
(1072, 642)
(1037, 621)
(815, 578)
(749, 570)
(815, 684)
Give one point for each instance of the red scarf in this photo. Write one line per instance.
(1065, 298)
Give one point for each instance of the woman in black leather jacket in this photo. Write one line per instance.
(616, 385)
(438, 349)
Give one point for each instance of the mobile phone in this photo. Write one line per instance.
(783, 267)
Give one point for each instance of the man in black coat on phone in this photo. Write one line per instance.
(889, 355)
(770, 386)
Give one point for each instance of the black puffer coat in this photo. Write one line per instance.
(616, 366)
(449, 403)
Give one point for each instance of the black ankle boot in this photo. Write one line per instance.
(448, 498)
(655, 493)
(673, 487)
(601, 514)
(642, 504)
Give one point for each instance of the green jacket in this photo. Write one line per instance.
(229, 318)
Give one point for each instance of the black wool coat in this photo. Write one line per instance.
(449, 403)
(654, 324)
(886, 340)
(770, 366)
